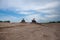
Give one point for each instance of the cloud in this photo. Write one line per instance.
(48, 7)
(39, 18)
(36, 16)
(26, 12)
(38, 5)
(10, 18)
(51, 16)
(41, 10)
(26, 5)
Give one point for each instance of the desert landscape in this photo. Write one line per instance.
(29, 31)
(29, 20)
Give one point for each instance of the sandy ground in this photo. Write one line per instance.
(27, 31)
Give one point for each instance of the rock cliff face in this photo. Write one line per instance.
(27, 31)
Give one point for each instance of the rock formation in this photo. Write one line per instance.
(33, 21)
(23, 21)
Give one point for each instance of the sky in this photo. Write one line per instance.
(41, 10)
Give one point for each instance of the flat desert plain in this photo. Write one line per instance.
(29, 31)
